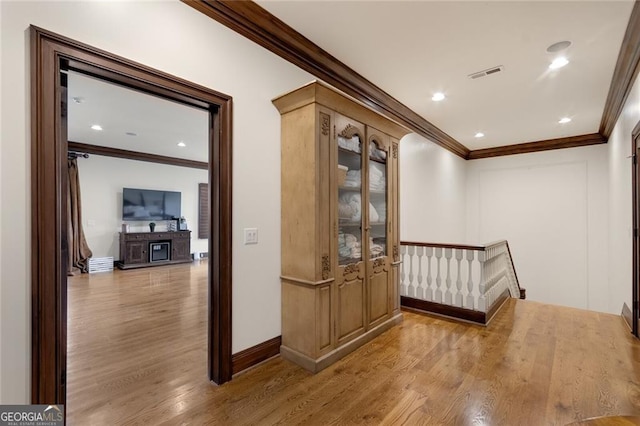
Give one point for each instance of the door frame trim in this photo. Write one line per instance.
(48, 212)
(635, 290)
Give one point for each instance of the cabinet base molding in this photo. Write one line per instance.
(316, 365)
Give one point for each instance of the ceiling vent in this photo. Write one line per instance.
(486, 72)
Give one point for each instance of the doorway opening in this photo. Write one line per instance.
(51, 54)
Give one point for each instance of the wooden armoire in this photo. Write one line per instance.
(340, 234)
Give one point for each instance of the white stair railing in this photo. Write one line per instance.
(478, 280)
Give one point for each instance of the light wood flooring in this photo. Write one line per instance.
(138, 345)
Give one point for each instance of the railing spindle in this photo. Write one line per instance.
(411, 288)
(458, 298)
(482, 302)
(403, 283)
(448, 296)
(470, 299)
(438, 297)
(429, 293)
(420, 292)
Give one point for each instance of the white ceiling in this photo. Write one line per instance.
(413, 49)
(158, 123)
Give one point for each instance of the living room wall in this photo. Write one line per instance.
(101, 192)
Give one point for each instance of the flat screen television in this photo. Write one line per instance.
(148, 204)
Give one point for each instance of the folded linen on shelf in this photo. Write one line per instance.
(349, 247)
(353, 179)
(352, 144)
(350, 207)
(375, 153)
(376, 248)
(377, 180)
(381, 208)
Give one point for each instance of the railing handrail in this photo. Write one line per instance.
(469, 247)
(513, 267)
(496, 243)
(443, 245)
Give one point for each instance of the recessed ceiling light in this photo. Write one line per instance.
(564, 120)
(558, 63)
(559, 46)
(96, 127)
(437, 97)
(479, 135)
(131, 134)
(182, 144)
(78, 99)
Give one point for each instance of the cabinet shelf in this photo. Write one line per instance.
(378, 161)
(348, 151)
(349, 223)
(350, 188)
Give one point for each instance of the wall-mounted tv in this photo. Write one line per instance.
(148, 204)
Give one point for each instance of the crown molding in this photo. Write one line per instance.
(136, 155)
(624, 75)
(258, 25)
(545, 145)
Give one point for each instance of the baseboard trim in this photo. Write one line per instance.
(444, 310)
(255, 354)
(499, 303)
(627, 315)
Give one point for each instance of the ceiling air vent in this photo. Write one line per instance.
(486, 72)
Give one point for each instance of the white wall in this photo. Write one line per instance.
(620, 207)
(174, 38)
(432, 192)
(101, 192)
(552, 208)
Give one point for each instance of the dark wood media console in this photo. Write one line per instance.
(136, 249)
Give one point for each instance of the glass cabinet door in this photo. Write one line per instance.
(350, 206)
(377, 201)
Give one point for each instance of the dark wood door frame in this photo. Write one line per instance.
(50, 53)
(635, 197)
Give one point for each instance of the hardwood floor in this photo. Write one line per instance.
(137, 355)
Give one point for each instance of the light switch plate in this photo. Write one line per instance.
(251, 235)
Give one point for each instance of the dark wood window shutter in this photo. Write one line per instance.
(203, 210)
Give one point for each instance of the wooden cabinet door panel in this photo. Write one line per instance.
(350, 321)
(180, 249)
(137, 252)
(379, 292)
